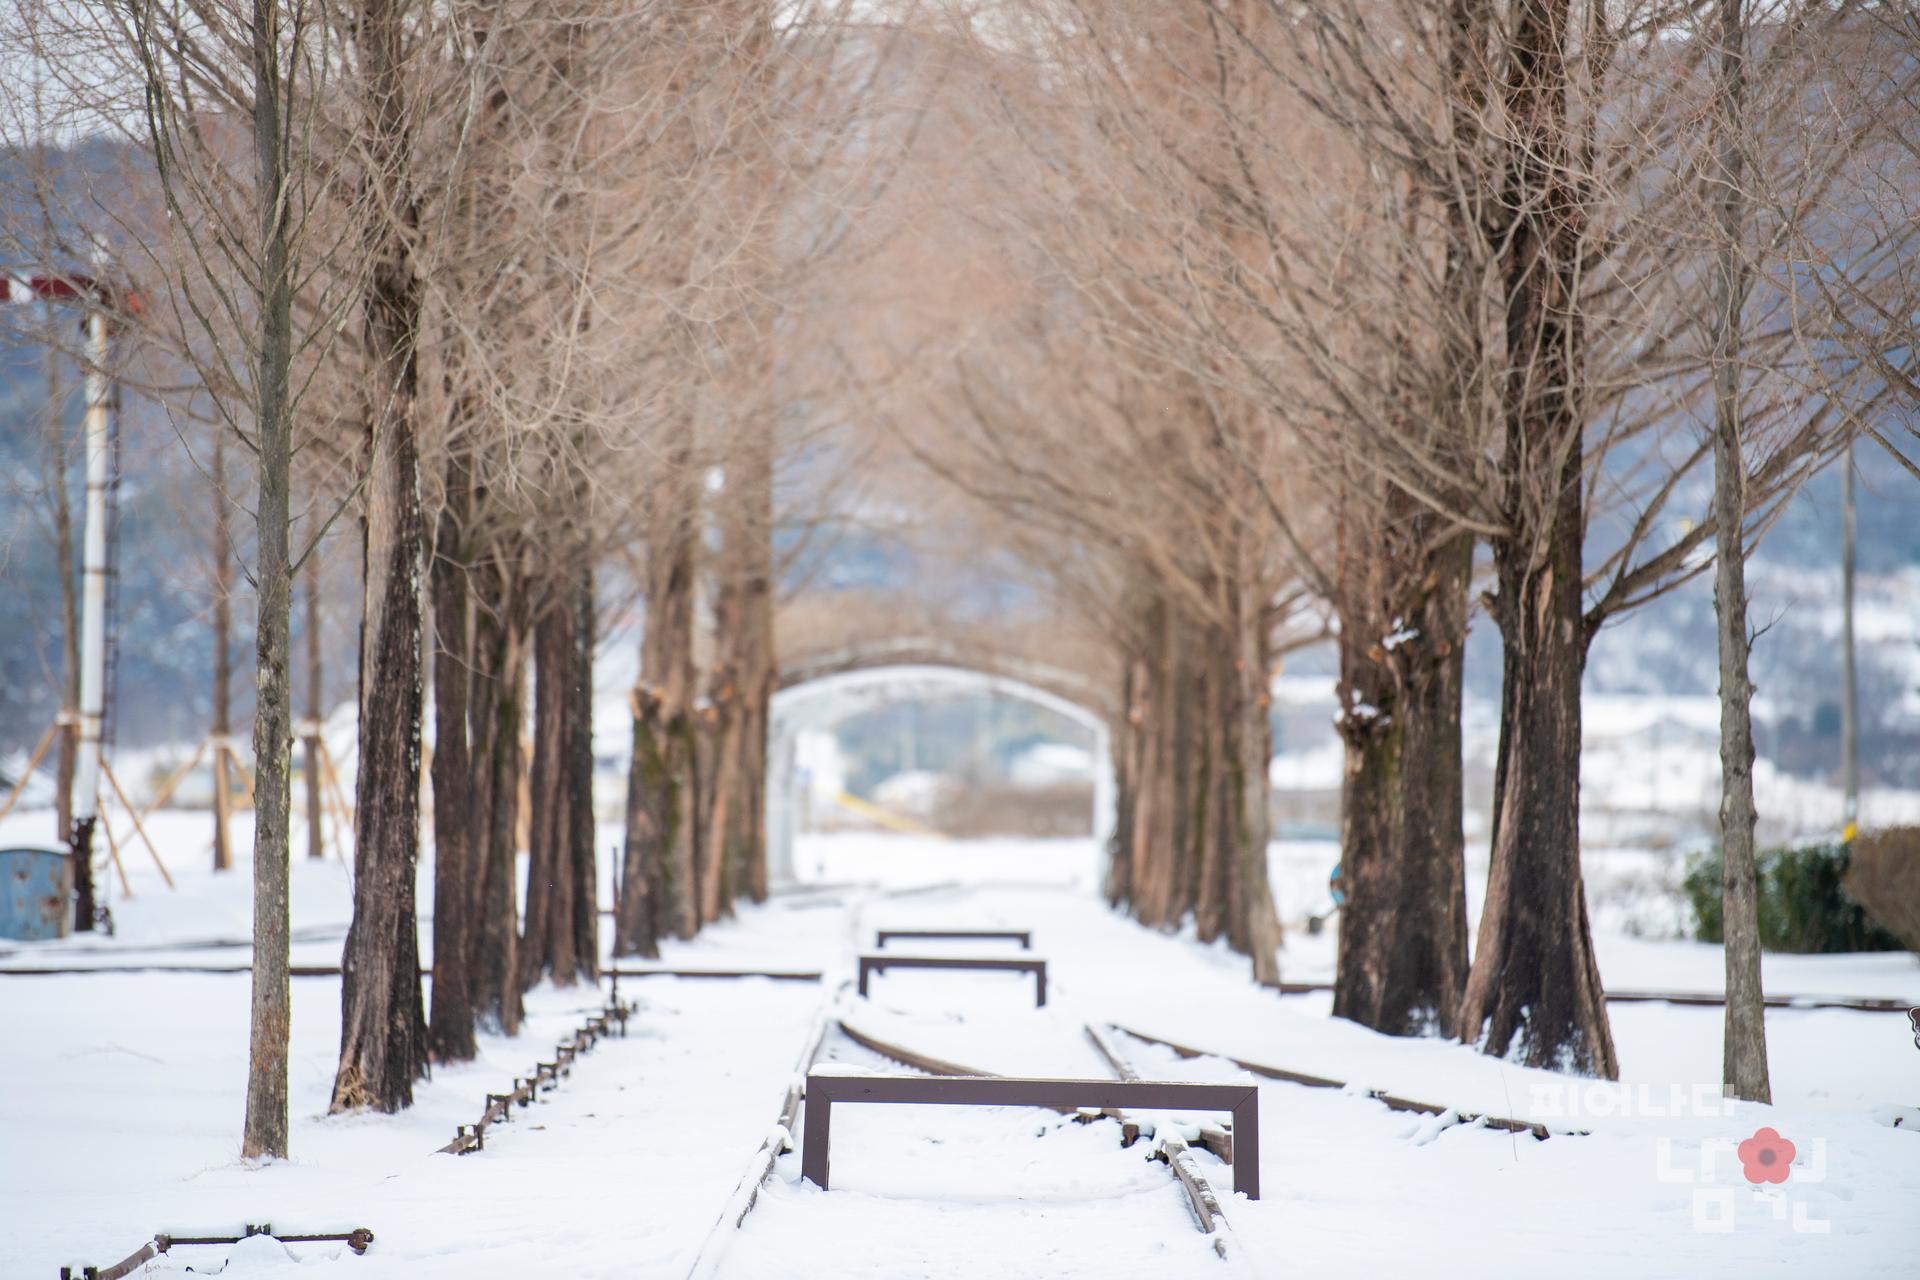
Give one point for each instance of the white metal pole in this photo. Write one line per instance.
(93, 595)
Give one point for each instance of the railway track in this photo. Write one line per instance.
(1392, 1101)
(1706, 999)
(1208, 1216)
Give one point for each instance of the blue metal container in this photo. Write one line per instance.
(36, 891)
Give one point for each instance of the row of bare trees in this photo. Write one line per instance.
(1415, 309)
(1239, 322)
(500, 284)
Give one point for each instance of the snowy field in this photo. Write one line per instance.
(122, 1113)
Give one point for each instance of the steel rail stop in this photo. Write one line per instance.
(824, 1090)
(1034, 965)
(1022, 936)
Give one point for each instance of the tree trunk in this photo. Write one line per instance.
(1123, 744)
(1426, 960)
(1214, 738)
(1744, 1067)
(743, 678)
(668, 773)
(499, 683)
(1253, 927)
(1403, 934)
(579, 783)
(1534, 990)
(637, 916)
(316, 717)
(659, 829)
(383, 1037)
(1188, 719)
(562, 933)
(1373, 741)
(383, 1042)
(750, 844)
(271, 1020)
(222, 729)
(715, 890)
(451, 1023)
(551, 650)
(1157, 797)
(755, 668)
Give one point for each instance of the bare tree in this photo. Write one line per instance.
(1745, 1069)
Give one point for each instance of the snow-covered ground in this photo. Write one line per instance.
(122, 1113)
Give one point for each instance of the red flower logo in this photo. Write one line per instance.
(1765, 1156)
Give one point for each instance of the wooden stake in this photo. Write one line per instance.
(46, 739)
(345, 818)
(128, 804)
(246, 779)
(172, 784)
(113, 847)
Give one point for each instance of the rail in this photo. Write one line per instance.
(1392, 1101)
(163, 1242)
(871, 964)
(544, 1078)
(1022, 936)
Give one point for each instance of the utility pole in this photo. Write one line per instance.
(1850, 690)
(93, 615)
(85, 795)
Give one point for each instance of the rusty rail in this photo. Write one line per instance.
(872, 964)
(1022, 936)
(544, 1078)
(1206, 1208)
(1212, 1136)
(777, 975)
(357, 1240)
(333, 971)
(1200, 1197)
(1704, 999)
(51, 971)
(1392, 1101)
(779, 1139)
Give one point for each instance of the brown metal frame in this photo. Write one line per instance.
(871, 964)
(1242, 1100)
(1023, 936)
(357, 1240)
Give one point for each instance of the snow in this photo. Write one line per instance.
(1048, 763)
(122, 1113)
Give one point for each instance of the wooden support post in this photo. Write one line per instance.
(344, 811)
(172, 784)
(113, 847)
(140, 830)
(46, 740)
(221, 802)
(246, 778)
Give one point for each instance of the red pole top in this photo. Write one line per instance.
(67, 287)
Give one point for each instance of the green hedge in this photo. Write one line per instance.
(1802, 906)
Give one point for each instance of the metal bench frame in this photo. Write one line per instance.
(1243, 1100)
(871, 964)
(1022, 936)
